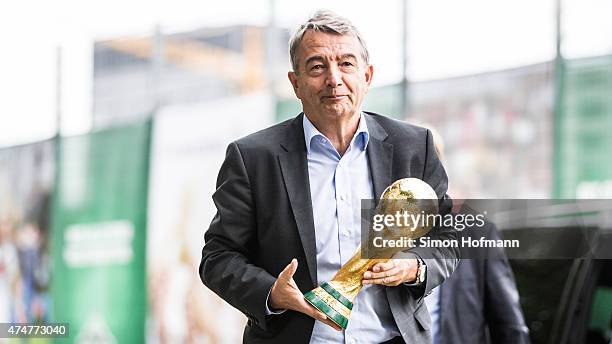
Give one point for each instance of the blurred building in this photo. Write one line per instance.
(497, 129)
(134, 76)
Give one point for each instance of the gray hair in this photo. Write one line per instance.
(328, 22)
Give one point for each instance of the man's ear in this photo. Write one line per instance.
(369, 74)
(294, 82)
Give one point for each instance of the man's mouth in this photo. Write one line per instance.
(334, 97)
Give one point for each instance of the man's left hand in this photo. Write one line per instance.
(392, 272)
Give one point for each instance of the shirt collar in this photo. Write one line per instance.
(310, 131)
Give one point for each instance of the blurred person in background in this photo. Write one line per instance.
(34, 281)
(292, 194)
(479, 303)
(34, 262)
(11, 287)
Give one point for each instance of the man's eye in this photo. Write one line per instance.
(317, 67)
(347, 64)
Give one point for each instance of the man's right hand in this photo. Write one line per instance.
(285, 294)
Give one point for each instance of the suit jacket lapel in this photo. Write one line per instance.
(380, 157)
(294, 167)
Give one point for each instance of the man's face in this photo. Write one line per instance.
(332, 76)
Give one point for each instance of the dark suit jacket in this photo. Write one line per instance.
(264, 219)
(479, 303)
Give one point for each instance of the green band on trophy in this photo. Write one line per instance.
(336, 294)
(326, 309)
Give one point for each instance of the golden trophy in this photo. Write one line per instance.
(410, 196)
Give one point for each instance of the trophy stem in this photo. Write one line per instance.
(335, 298)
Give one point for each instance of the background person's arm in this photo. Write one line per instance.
(503, 312)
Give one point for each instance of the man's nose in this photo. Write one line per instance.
(334, 76)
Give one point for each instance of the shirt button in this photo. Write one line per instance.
(343, 197)
(345, 232)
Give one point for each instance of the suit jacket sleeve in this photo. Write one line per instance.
(441, 262)
(502, 308)
(227, 257)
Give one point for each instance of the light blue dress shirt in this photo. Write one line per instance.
(337, 186)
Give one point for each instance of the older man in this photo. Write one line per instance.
(288, 204)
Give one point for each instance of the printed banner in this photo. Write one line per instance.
(99, 226)
(26, 179)
(188, 149)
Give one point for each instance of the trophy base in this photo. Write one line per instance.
(332, 303)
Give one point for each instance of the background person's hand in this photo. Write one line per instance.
(392, 272)
(285, 294)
